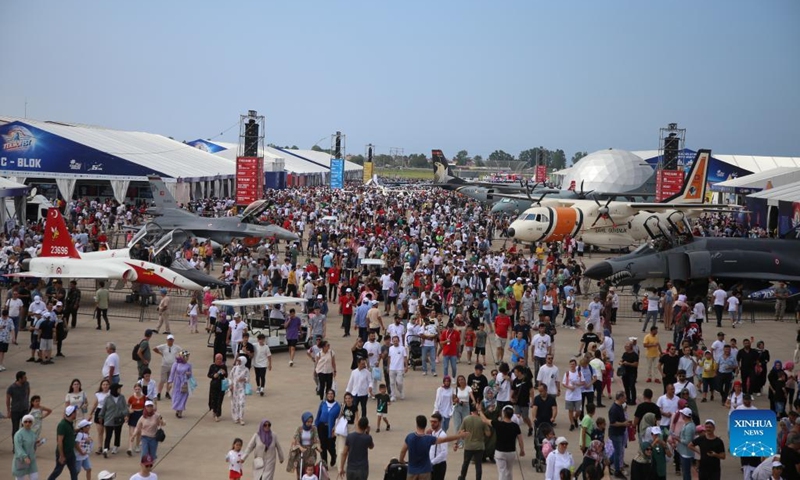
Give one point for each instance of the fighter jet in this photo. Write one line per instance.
(751, 262)
(222, 229)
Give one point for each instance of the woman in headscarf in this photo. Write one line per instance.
(240, 375)
(217, 372)
(179, 382)
(305, 444)
(265, 448)
(147, 427)
(327, 414)
(592, 458)
(777, 388)
(115, 414)
(25, 443)
(642, 465)
(491, 412)
(649, 420)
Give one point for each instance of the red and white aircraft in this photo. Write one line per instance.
(60, 259)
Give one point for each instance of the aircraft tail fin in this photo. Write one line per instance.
(442, 171)
(161, 196)
(57, 241)
(696, 181)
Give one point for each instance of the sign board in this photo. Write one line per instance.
(541, 173)
(249, 179)
(367, 171)
(337, 173)
(753, 433)
(668, 183)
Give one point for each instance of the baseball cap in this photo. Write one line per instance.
(349, 290)
(149, 403)
(712, 422)
(655, 430)
(70, 410)
(59, 304)
(687, 412)
(374, 302)
(147, 460)
(170, 337)
(319, 297)
(84, 423)
(777, 464)
(106, 475)
(164, 290)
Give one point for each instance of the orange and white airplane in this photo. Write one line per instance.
(615, 224)
(60, 259)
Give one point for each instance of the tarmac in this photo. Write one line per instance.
(196, 446)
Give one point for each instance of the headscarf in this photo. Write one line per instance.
(242, 360)
(27, 418)
(649, 420)
(219, 360)
(266, 437)
(777, 365)
(595, 450)
(305, 418)
(489, 402)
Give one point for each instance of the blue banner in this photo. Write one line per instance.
(28, 151)
(753, 433)
(718, 171)
(337, 173)
(206, 146)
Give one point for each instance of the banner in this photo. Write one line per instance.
(249, 179)
(668, 183)
(541, 173)
(27, 151)
(337, 173)
(367, 171)
(753, 433)
(206, 146)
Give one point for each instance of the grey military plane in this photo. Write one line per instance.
(222, 229)
(750, 262)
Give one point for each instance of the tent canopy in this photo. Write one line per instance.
(775, 177)
(10, 188)
(785, 193)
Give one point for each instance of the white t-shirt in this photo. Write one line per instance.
(374, 352)
(397, 330)
(652, 304)
(236, 331)
(717, 348)
(213, 311)
(571, 379)
(719, 296)
(668, 405)
(549, 377)
(386, 281)
(137, 476)
(541, 345)
(688, 386)
(112, 360)
(504, 387)
(699, 311)
(429, 330)
(733, 304)
(14, 305)
(396, 356)
(262, 355)
(168, 353)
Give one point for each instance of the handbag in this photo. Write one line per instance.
(225, 385)
(185, 387)
(620, 371)
(341, 427)
(160, 435)
(248, 390)
(258, 463)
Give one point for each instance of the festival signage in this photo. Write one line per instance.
(337, 173)
(753, 433)
(668, 183)
(541, 173)
(367, 171)
(249, 179)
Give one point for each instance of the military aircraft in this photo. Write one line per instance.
(60, 259)
(752, 262)
(221, 229)
(615, 224)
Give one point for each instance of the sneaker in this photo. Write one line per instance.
(137, 449)
(158, 397)
(59, 354)
(168, 396)
(619, 474)
(378, 430)
(393, 399)
(388, 427)
(291, 363)
(572, 428)
(2, 368)
(38, 360)
(105, 453)
(261, 392)
(704, 400)
(530, 432)
(657, 380)
(434, 374)
(129, 452)
(113, 450)
(424, 374)
(31, 360)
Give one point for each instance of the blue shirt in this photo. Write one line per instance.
(518, 347)
(419, 447)
(361, 315)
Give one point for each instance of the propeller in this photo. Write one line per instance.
(603, 212)
(582, 194)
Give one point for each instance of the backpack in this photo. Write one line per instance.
(135, 353)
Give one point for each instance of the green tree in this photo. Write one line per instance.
(358, 159)
(501, 156)
(462, 157)
(382, 160)
(529, 156)
(478, 161)
(317, 148)
(558, 159)
(418, 160)
(577, 156)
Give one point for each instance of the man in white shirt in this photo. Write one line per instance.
(541, 346)
(438, 452)
(668, 404)
(236, 328)
(360, 385)
(718, 346)
(168, 351)
(398, 366)
(684, 383)
(595, 307)
(733, 309)
(573, 384)
(111, 365)
(548, 375)
(397, 329)
(652, 311)
(720, 296)
(373, 349)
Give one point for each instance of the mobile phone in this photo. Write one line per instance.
(42, 441)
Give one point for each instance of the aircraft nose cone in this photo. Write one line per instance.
(510, 232)
(599, 271)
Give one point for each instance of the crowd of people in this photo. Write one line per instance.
(444, 293)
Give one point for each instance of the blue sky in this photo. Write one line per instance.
(480, 76)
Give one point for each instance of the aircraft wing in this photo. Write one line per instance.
(768, 276)
(87, 275)
(676, 206)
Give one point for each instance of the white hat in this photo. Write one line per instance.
(59, 304)
(106, 475)
(777, 464)
(655, 430)
(170, 337)
(319, 296)
(374, 302)
(686, 411)
(84, 423)
(349, 290)
(561, 440)
(712, 422)
(70, 410)
(149, 403)
(632, 339)
(36, 298)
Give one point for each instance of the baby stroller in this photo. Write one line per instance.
(694, 335)
(396, 470)
(539, 461)
(414, 351)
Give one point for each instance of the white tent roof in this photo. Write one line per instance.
(752, 163)
(786, 193)
(291, 163)
(321, 158)
(776, 177)
(169, 157)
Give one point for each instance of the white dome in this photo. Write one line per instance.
(609, 171)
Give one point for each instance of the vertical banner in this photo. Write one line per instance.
(753, 433)
(541, 173)
(367, 171)
(337, 173)
(249, 179)
(668, 183)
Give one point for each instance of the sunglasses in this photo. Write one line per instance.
(27, 421)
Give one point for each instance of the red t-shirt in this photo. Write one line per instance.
(347, 302)
(450, 340)
(501, 325)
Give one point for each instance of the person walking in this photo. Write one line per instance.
(618, 427)
(136, 403)
(327, 414)
(262, 361)
(143, 353)
(508, 433)
(217, 372)
(418, 445)
(114, 415)
(168, 351)
(18, 400)
(111, 365)
(25, 444)
(146, 429)
(72, 303)
(630, 371)
(360, 385)
(163, 314)
(398, 367)
(477, 434)
(240, 376)
(355, 455)
(305, 445)
(101, 305)
(325, 368)
(179, 382)
(265, 448)
(65, 446)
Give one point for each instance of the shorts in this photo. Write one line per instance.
(134, 417)
(83, 464)
(292, 342)
(383, 415)
(234, 475)
(500, 342)
(574, 405)
(46, 344)
(522, 411)
(97, 419)
(469, 349)
(165, 371)
(480, 350)
(3, 347)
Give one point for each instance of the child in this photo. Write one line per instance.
(192, 313)
(480, 343)
(709, 374)
(309, 475)
(149, 388)
(83, 447)
(383, 400)
(518, 348)
(587, 427)
(234, 459)
(39, 413)
(469, 343)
